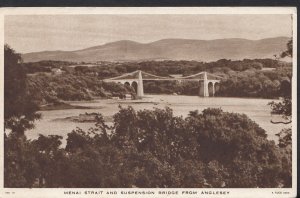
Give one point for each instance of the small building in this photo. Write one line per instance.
(56, 71)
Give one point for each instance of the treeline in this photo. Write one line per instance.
(152, 148)
(45, 88)
(69, 86)
(162, 68)
(261, 84)
(246, 78)
(250, 83)
(45, 66)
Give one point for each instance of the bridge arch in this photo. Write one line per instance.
(127, 84)
(134, 84)
(211, 90)
(217, 87)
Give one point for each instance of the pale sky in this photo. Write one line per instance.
(72, 32)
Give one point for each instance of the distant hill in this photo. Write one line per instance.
(169, 49)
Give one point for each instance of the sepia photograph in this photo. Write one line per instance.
(149, 100)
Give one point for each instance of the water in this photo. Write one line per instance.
(256, 109)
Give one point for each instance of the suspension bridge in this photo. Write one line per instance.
(136, 78)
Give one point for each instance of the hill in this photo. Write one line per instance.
(169, 49)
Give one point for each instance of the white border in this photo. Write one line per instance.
(149, 10)
(233, 192)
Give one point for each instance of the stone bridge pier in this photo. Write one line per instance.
(204, 86)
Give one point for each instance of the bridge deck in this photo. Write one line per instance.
(147, 76)
(166, 79)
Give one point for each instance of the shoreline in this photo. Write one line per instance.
(62, 105)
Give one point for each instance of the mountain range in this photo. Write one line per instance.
(169, 49)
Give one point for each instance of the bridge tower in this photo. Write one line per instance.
(203, 91)
(140, 86)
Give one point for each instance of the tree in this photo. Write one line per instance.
(19, 115)
(153, 148)
(50, 159)
(19, 109)
(289, 50)
(284, 107)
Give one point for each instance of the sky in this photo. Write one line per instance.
(33, 33)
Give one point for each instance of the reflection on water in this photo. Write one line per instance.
(256, 109)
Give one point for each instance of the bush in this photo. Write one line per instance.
(154, 148)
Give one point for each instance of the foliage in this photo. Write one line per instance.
(284, 108)
(19, 109)
(20, 166)
(154, 148)
(285, 137)
(250, 83)
(242, 78)
(19, 115)
(52, 88)
(289, 50)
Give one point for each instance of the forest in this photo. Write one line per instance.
(145, 148)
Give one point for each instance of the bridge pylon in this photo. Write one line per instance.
(140, 86)
(203, 91)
